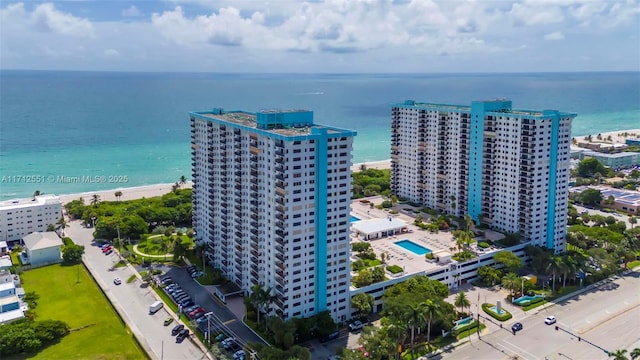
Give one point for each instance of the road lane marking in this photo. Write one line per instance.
(229, 321)
(521, 350)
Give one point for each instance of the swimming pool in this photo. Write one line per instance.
(354, 219)
(413, 247)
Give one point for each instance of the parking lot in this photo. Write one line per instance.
(221, 319)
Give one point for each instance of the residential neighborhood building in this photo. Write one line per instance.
(271, 199)
(11, 305)
(506, 168)
(21, 217)
(42, 248)
(623, 200)
(620, 160)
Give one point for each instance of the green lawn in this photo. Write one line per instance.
(100, 333)
(152, 246)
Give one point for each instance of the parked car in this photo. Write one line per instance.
(516, 327)
(332, 336)
(221, 337)
(189, 309)
(197, 316)
(197, 274)
(168, 321)
(356, 325)
(232, 345)
(239, 355)
(108, 252)
(550, 320)
(176, 329)
(187, 302)
(117, 281)
(102, 246)
(182, 335)
(106, 248)
(226, 343)
(198, 310)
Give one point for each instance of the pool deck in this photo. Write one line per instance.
(409, 261)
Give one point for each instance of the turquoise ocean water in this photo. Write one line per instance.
(69, 132)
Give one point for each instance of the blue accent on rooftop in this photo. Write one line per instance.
(320, 298)
(553, 168)
(286, 125)
(495, 107)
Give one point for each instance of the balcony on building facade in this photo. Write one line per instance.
(281, 208)
(280, 240)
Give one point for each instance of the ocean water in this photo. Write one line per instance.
(68, 132)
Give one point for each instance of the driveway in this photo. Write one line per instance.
(222, 317)
(132, 301)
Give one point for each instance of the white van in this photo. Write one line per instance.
(155, 307)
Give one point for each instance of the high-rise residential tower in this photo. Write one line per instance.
(21, 217)
(271, 199)
(505, 168)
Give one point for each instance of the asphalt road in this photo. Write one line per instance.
(618, 216)
(132, 301)
(223, 318)
(606, 316)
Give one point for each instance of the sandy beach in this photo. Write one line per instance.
(147, 191)
(617, 137)
(130, 193)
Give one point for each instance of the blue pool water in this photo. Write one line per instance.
(525, 299)
(495, 310)
(413, 247)
(354, 219)
(463, 322)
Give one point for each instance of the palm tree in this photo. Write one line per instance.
(633, 221)
(95, 199)
(462, 301)
(635, 353)
(183, 180)
(570, 266)
(512, 282)
(619, 354)
(396, 332)
(175, 187)
(414, 316)
(36, 193)
(118, 194)
(554, 267)
(62, 224)
(431, 310)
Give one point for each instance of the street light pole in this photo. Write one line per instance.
(522, 287)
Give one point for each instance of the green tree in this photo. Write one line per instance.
(118, 195)
(414, 316)
(555, 267)
(182, 181)
(363, 303)
(462, 301)
(431, 310)
(511, 282)
(95, 200)
(589, 167)
(591, 197)
(72, 254)
(51, 227)
(635, 353)
(61, 224)
(489, 275)
(633, 221)
(511, 261)
(619, 354)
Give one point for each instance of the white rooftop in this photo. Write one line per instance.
(29, 202)
(38, 240)
(373, 226)
(7, 286)
(11, 315)
(5, 262)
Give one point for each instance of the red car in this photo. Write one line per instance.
(195, 312)
(106, 248)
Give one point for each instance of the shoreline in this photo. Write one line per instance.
(617, 137)
(146, 191)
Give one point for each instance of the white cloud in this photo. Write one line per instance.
(318, 36)
(132, 11)
(112, 53)
(47, 18)
(554, 36)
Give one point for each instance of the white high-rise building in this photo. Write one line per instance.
(505, 168)
(271, 198)
(21, 217)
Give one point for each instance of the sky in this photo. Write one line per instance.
(330, 36)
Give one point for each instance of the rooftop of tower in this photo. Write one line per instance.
(499, 105)
(293, 122)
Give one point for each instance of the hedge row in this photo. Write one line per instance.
(504, 317)
(531, 302)
(471, 325)
(394, 269)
